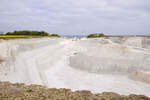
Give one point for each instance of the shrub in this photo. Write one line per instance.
(54, 35)
(96, 35)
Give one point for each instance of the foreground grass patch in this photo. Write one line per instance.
(9, 91)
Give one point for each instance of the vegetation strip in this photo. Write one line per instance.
(22, 34)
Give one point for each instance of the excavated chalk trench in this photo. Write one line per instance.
(97, 65)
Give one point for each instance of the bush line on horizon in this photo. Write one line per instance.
(27, 33)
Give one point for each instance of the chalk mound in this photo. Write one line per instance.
(142, 42)
(141, 75)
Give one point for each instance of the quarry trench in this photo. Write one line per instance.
(97, 65)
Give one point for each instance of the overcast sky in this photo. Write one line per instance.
(76, 16)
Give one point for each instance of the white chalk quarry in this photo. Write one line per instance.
(99, 65)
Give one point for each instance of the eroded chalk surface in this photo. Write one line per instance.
(100, 65)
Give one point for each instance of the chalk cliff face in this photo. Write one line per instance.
(112, 55)
(96, 64)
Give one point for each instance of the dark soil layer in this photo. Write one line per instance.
(10, 91)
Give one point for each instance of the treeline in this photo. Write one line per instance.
(31, 33)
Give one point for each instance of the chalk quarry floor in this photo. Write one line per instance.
(49, 65)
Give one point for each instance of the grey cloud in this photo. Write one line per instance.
(76, 16)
